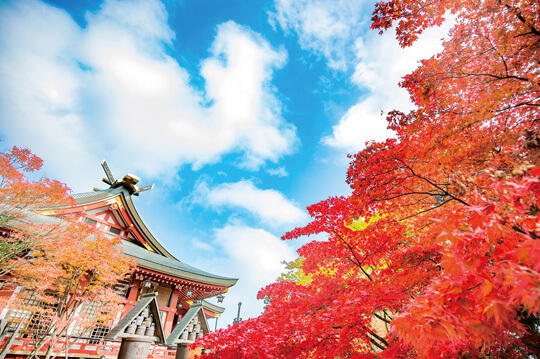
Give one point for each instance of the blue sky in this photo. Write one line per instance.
(240, 112)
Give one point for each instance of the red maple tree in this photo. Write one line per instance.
(436, 251)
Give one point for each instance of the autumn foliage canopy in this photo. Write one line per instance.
(64, 264)
(436, 253)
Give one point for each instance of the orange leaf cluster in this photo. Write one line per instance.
(63, 262)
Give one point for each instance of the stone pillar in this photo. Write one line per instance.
(182, 351)
(135, 347)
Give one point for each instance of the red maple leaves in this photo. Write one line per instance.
(437, 251)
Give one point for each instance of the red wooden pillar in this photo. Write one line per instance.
(167, 326)
(132, 296)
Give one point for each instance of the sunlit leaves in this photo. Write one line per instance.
(440, 239)
(65, 263)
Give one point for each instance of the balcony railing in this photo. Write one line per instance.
(107, 348)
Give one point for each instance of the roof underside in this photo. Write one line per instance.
(157, 262)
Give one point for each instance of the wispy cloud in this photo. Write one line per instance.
(337, 30)
(326, 28)
(271, 207)
(380, 65)
(280, 172)
(111, 90)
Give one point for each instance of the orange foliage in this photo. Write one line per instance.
(64, 262)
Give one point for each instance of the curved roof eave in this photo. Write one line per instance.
(154, 261)
(212, 307)
(145, 258)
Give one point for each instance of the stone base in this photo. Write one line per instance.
(182, 351)
(135, 347)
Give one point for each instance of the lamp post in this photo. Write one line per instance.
(238, 319)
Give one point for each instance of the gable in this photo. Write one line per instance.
(143, 319)
(109, 221)
(192, 326)
(113, 212)
(109, 212)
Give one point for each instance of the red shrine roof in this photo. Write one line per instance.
(138, 240)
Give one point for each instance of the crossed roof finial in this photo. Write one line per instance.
(129, 181)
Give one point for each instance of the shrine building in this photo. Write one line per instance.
(165, 298)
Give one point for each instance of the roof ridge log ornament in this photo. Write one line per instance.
(192, 326)
(129, 181)
(139, 321)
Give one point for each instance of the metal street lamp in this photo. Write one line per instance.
(238, 319)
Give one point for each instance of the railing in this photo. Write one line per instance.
(107, 348)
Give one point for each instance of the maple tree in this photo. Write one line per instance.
(66, 266)
(447, 261)
(18, 197)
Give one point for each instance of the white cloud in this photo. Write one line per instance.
(270, 206)
(255, 256)
(110, 90)
(280, 172)
(337, 30)
(362, 123)
(146, 19)
(257, 252)
(381, 65)
(327, 28)
(40, 80)
(244, 100)
(382, 62)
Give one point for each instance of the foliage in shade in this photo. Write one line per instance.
(447, 261)
(65, 263)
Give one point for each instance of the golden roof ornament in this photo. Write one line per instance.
(129, 181)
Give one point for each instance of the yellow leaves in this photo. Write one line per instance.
(360, 224)
(295, 273)
(326, 272)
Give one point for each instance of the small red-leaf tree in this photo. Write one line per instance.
(66, 265)
(448, 264)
